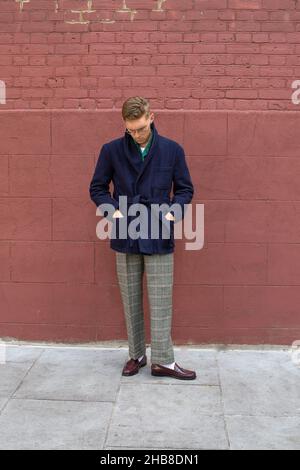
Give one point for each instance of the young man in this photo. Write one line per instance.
(143, 165)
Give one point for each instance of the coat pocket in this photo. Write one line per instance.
(163, 176)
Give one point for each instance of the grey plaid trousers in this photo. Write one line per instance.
(159, 270)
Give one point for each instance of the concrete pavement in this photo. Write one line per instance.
(74, 397)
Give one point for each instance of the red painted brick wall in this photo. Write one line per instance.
(219, 77)
(183, 54)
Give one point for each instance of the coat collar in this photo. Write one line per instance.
(132, 152)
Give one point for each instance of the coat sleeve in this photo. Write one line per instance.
(183, 188)
(99, 185)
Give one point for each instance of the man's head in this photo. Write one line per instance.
(138, 118)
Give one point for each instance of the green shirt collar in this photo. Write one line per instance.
(146, 149)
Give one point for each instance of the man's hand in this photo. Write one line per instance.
(117, 214)
(169, 216)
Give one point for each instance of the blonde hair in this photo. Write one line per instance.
(135, 107)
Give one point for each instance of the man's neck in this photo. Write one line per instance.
(146, 143)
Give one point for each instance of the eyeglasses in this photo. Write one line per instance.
(142, 129)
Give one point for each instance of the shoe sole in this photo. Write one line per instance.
(157, 374)
(133, 373)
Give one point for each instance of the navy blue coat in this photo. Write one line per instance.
(145, 182)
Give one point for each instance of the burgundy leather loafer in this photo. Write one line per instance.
(133, 365)
(178, 372)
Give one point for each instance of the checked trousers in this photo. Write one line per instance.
(159, 272)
